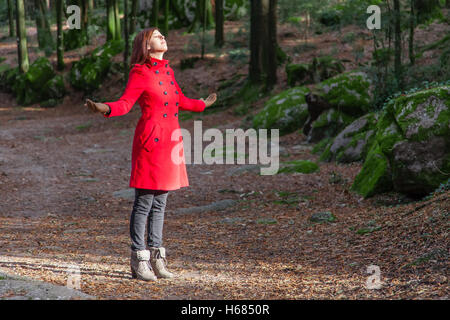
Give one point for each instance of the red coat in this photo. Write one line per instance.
(157, 162)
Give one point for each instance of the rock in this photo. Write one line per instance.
(128, 194)
(299, 166)
(328, 124)
(237, 170)
(353, 143)
(286, 111)
(326, 216)
(411, 150)
(215, 206)
(350, 92)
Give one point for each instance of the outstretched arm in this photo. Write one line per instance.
(188, 104)
(136, 84)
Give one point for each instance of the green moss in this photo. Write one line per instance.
(374, 176)
(321, 145)
(349, 92)
(287, 111)
(423, 114)
(301, 166)
(328, 125)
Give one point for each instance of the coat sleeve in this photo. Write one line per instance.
(188, 104)
(137, 81)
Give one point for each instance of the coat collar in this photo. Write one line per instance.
(154, 62)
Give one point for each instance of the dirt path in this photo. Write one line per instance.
(59, 169)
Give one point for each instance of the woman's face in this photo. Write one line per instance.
(157, 42)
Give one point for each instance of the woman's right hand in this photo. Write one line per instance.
(96, 106)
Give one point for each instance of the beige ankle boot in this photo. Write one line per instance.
(140, 268)
(159, 262)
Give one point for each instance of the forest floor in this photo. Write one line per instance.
(60, 169)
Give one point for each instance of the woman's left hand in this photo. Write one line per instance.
(210, 100)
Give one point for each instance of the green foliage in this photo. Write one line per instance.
(330, 18)
(299, 166)
(39, 84)
(88, 73)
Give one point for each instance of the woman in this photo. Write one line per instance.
(158, 163)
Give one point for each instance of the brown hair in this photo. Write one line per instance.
(140, 54)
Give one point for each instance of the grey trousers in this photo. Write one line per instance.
(148, 210)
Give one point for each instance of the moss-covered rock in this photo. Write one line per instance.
(286, 111)
(375, 175)
(411, 151)
(297, 73)
(328, 124)
(353, 143)
(320, 69)
(350, 92)
(423, 114)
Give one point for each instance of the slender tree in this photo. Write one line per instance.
(110, 20)
(271, 45)
(203, 10)
(126, 52)
(133, 14)
(22, 50)
(155, 13)
(219, 36)
(411, 33)
(166, 17)
(263, 44)
(118, 34)
(59, 34)
(397, 44)
(44, 35)
(12, 30)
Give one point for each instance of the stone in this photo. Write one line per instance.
(325, 216)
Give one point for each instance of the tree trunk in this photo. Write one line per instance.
(110, 20)
(134, 7)
(411, 33)
(202, 11)
(125, 54)
(59, 35)
(271, 46)
(118, 33)
(12, 30)
(204, 6)
(44, 35)
(22, 51)
(166, 17)
(155, 13)
(256, 34)
(219, 36)
(397, 44)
